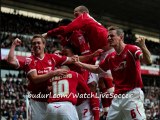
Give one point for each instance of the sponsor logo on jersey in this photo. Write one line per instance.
(45, 70)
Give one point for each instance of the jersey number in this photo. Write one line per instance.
(60, 87)
(133, 114)
(84, 112)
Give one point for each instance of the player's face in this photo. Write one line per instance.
(38, 46)
(113, 38)
(67, 52)
(77, 12)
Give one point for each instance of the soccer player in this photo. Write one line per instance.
(40, 67)
(63, 98)
(75, 38)
(124, 64)
(95, 34)
(83, 105)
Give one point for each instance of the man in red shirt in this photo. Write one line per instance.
(83, 105)
(63, 98)
(75, 38)
(39, 68)
(124, 64)
(95, 34)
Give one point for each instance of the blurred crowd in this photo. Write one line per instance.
(13, 106)
(152, 102)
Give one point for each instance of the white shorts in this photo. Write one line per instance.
(92, 78)
(84, 111)
(38, 110)
(128, 108)
(61, 111)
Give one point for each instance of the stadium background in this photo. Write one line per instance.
(22, 19)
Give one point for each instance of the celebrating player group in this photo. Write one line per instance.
(94, 61)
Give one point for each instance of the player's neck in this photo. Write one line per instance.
(119, 48)
(41, 56)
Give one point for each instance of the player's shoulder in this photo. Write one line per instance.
(111, 54)
(132, 48)
(29, 59)
(74, 73)
(54, 55)
(129, 46)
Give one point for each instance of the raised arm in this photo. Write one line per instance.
(146, 58)
(11, 57)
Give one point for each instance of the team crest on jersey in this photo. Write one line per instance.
(28, 61)
(122, 65)
(49, 62)
(35, 62)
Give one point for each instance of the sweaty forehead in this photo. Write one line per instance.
(112, 32)
(36, 40)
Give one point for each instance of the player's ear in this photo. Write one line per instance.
(122, 37)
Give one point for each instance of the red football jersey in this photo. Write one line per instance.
(81, 71)
(94, 33)
(21, 62)
(42, 66)
(65, 88)
(78, 41)
(67, 85)
(125, 68)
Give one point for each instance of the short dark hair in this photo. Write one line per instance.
(83, 8)
(118, 30)
(72, 48)
(39, 36)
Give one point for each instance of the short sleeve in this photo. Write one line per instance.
(29, 65)
(59, 60)
(136, 51)
(104, 64)
(21, 64)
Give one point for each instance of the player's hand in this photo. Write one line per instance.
(140, 41)
(75, 58)
(17, 42)
(60, 72)
(97, 52)
(44, 35)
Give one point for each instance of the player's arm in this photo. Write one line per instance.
(11, 57)
(32, 75)
(89, 67)
(63, 30)
(146, 57)
(93, 86)
(54, 32)
(90, 57)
